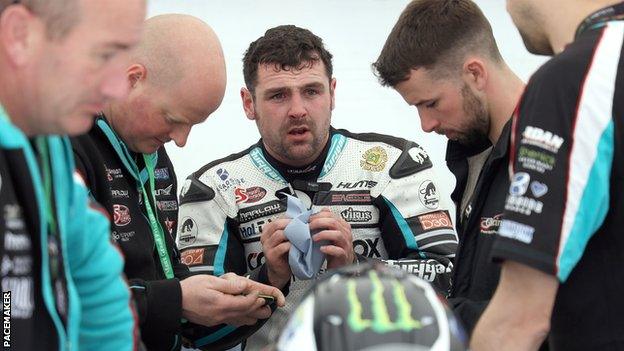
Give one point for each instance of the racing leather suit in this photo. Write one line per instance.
(383, 186)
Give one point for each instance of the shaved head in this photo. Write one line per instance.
(177, 48)
(177, 79)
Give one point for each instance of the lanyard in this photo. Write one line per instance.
(42, 150)
(148, 196)
(609, 13)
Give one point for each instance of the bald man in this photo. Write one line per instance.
(176, 80)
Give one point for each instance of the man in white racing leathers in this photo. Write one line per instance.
(380, 192)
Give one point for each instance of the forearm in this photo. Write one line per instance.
(518, 317)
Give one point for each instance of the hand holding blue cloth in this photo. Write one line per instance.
(305, 257)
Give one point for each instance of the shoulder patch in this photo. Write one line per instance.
(413, 159)
(195, 191)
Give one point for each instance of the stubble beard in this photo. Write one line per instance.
(479, 125)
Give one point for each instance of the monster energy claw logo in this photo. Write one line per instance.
(381, 322)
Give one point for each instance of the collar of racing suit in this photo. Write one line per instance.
(308, 172)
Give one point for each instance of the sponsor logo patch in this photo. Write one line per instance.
(255, 260)
(228, 182)
(425, 270)
(258, 211)
(361, 184)
(419, 155)
(161, 173)
(541, 138)
(519, 184)
(309, 169)
(13, 217)
(170, 225)
(367, 247)
(192, 257)
(188, 231)
(524, 205)
(435, 220)
(538, 189)
(223, 174)
(16, 242)
(121, 215)
(16, 265)
(119, 193)
(490, 225)
(428, 194)
(355, 216)
(249, 195)
(342, 198)
(374, 159)
(251, 230)
(113, 173)
(22, 288)
(164, 191)
(516, 231)
(169, 205)
(123, 236)
(536, 160)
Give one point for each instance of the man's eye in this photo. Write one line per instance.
(106, 56)
(432, 104)
(311, 92)
(277, 96)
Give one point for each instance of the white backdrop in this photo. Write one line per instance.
(354, 32)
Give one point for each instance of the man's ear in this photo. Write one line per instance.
(21, 34)
(248, 103)
(136, 73)
(475, 74)
(332, 91)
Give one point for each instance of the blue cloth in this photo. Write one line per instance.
(305, 257)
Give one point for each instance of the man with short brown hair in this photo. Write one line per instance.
(442, 58)
(377, 196)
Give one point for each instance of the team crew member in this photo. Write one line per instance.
(176, 80)
(442, 58)
(381, 190)
(61, 275)
(561, 240)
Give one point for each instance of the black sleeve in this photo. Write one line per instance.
(468, 311)
(561, 157)
(159, 306)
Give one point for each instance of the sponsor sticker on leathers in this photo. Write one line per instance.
(428, 194)
(374, 159)
(435, 220)
(192, 257)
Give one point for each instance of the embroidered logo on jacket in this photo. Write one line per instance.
(374, 159)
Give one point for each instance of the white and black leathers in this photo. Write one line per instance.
(383, 186)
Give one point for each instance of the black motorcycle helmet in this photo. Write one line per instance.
(371, 307)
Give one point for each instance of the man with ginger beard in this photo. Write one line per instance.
(176, 80)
